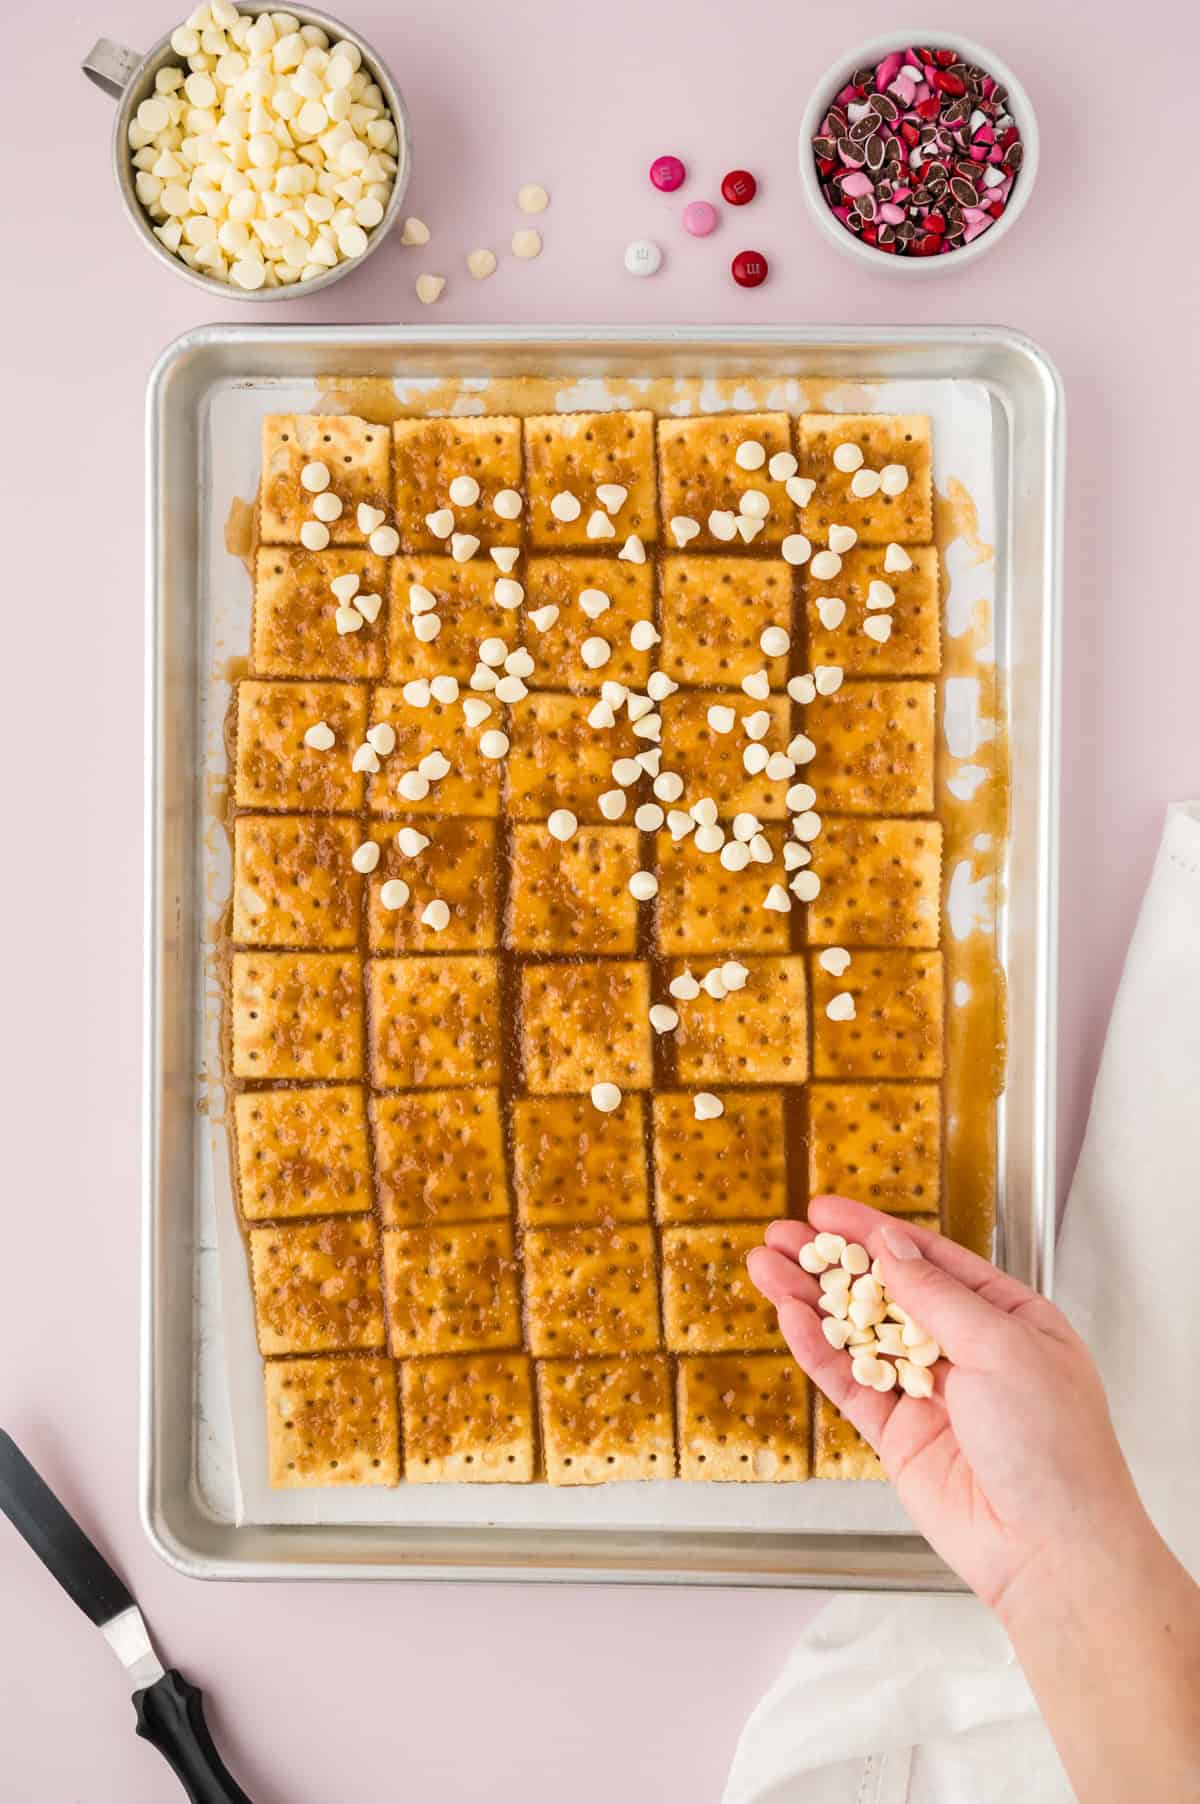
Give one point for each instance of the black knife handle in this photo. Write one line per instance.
(57, 1539)
(170, 1714)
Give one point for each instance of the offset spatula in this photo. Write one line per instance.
(170, 1712)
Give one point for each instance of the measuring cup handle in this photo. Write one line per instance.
(110, 65)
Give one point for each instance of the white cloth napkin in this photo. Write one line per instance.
(919, 1700)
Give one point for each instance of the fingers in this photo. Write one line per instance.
(779, 1277)
(969, 1329)
(858, 1222)
(868, 1411)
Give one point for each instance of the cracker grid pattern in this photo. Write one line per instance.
(648, 1375)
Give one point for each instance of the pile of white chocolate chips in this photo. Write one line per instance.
(267, 156)
(862, 1318)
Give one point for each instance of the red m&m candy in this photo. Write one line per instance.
(749, 269)
(739, 187)
(667, 174)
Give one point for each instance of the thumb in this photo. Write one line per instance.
(968, 1329)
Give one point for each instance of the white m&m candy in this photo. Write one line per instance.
(643, 257)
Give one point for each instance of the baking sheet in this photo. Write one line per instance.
(231, 1468)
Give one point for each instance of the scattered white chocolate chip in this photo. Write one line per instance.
(779, 767)
(835, 960)
(781, 466)
(594, 602)
(493, 743)
(704, 812)
(880, 595)
(365, 857)
(612, 496)
(315, 476)
(365, 758)
(745, 825)
(840, 1007)
(831, 611)
(800, 489)
(601, 716)
(734, 855)
(504, 557)
(754, 504)
(706, 1106)
(799, 797)
(847, 458)
(420, 599)
(368, 605)
(778, 900)
(648, 818)
(411, 841)
(426, 628)
(722, 524)
(434, 766)
(443, 688)
(842, 538)
(721, 719)
(735, 974)
(565, 506)
(475, 711)
(668, 787)
(532, 198)
(827, 678)
(599, 525)
(825, 567)
(650, 760)
(757, 685)
(896, 559)
(414, 231)
(611, 804)
(802, 689)
(481, 264)
(679, 824)
(864, 484)
(749, 526)
(663, 1018)
(606, 1098)
(750, 455)
(382, 738)
(314, 535)
(429, 289)
(519, 663)
(649, 727)
(595, 653)
(464, 491)
(683, 529)
(394, 893)
(760, 849)
(878, 627)
(347, 620)
(511, 689)
(626, 772)
(643, 886)
(413, 786)
(709, 839)
(639, 705)
(463, 546)
(775, 642)
(714, 984)
(802, 750)
(543, 618)
(659, 686)
(807, 826)
(327, 507)
(755, 759)
(507, 592)
(507, 504)
(319, 738)
(805, 886)
(633, 551)
(440, 522)
(436, 914)
(684, 988)
(527, 243)
(345, 587)
(643, 635)
(416, 692)
(893, 479)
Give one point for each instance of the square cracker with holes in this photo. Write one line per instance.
(558, 761)
(914, 647)
(574, 1165)
(331, 1422)
(881, 883)
(302, 1152)
(875, 747)
(316, 1286)
(758, 1035)
(896, 1030)
(468, 1419)
(559, 582)
(439, 1156)
(731, 1168)
(743, 1418)
(472, 785)
(709, 1303)
(451, 1289)
(575, 453)
(584, 1024)
(878, 1143)
(572, 896)
(906, 519)
(713, 762)
(274, 768)
(433, 1021)
(839, 1451)
(699, 472)
(466, 607)
(605, 1420)
(429, 453)
(296, 1014)
(293, 883)
(704, 908)
(357, 455)
(457, 867)
(591, 1290)
(295, 624)
(715, 610)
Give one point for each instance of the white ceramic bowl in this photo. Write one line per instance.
(836, 77)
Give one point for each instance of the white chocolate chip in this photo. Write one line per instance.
(594, 602)
(434, 766)
(802, 689)
(626, 772)
(599, 525)
(532, 198)
(734, 855)
(896, 559)
(721, 719)
(650, 760)
(413, 786)
(757, 685)
(714, 984)
(847, 458)
(648, 818)
(663, 1019)
(683, 529)
(745, 825)
(601, 716)
(774, 642)
(475, 711)
(679, 823)
(639, 705)
(315, 476)
(511, 689)
(382, 738)
(748, 527)
(606, 1098)
(463, 546)
(840, 1007)
(706, 1106)
(836, 1332)
(429, 289)
(345, 587)
(831, 610)
(612, 496)
(527, 243)
(426, 628)
(659, 686)
(633, 551)
(612, 804)
(414, 231)
(365, 758)
(464, 491)
(704, 812)
(394, 893)
(800, 489)
(314, 535)
(722, 524)
(327, 507)
(684, 988)
(734, 974)
(915, 1380)
(754, 504)
(825, 567)
(802, 750)
(565, 506)
(365, 857)
(842, 538)
(544, 618)
(643, 635)
(493, 743)
(805, 886)
(864, 484)
(504, 557)
(416, 693)
(643, 886)
(750, 455)
(481, 264)
(319, 738)
(562, 824)
(879, 628)
(893, 479)
(385, 541)
(650, 727)
(507, 504)
(834, 959)
(519, 663)
(669, 786)
(420, 599)
(492, 651)
(507, 592)
(440, 522)
(779, 767)
(807, 826)
(755, 759)
(436, 915)
(444, 689)
(368, 605)
(781, 466)
(880, 595)
(709, 839)
(595, 653)
(827, 678)
(760, 849)
(778, 900)
(411, 841)
(347, 620)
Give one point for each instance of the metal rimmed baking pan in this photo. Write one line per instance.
(180, 1411)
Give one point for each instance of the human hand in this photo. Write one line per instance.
(1014, 1459)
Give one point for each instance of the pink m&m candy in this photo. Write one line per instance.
(668, 173)
(699, 218)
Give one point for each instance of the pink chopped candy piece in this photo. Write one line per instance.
(975, 227)
(985, 135)
(903, 89)
(857, 184)
(888, 70)
(847, 94)
(842, 213)
(891, 214)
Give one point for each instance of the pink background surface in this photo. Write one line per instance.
(337, 1693)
